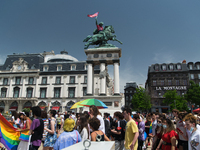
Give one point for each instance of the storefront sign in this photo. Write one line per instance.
(171, 88)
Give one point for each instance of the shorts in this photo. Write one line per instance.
(58, 126)
(183, 143)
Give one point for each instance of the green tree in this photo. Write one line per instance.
(193, 93)
(141, 100)
(175, 101)
(26, 110)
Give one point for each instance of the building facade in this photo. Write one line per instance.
(49, 80)
(172, 76)
(129, 91)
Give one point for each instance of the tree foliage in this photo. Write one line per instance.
(141, 100)
(193, 93)
(26, 110)
(175, 101)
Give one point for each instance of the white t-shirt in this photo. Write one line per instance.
(194, 141)
(188, 132)
(180, 124)
(102, 125)
(84, 134)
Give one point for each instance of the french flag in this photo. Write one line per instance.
(94, 15)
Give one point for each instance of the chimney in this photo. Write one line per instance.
(184, 62)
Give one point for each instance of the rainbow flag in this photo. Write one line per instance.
(150, 129)
(9, 136)
(24, 136)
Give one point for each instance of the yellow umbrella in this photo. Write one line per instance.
(77, 105)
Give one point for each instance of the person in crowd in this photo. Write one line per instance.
(59, 123)
(119, 131)
(15, 119)
(69, 136)
(154, 124)
(107, 124)
(37, 128)
(83, 127)
(159, 133)
(46, 123)
(131, 134)
(169, 137)
(51, 135)
(175, 113)
(94, 112)
(194, 137)
(66, 115)
(73, 116)
(97, 135)
(25, 124)
(141, 128)
(180, 128)
(147, 127)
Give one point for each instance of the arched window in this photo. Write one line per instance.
(13, 106)
(2, 104)
(69, 105)
(16, 92)
(28, 104)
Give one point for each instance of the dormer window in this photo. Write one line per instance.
(190, 66)
(164, 67)
(59, 68)
(171, 67)
(198, 66)
(179, 67)
(73, 67)
(45, 68)
(156, 67)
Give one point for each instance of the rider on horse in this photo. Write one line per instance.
(100, 29)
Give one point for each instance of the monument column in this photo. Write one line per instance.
(116, 77)
(89, 78)
(103, 79)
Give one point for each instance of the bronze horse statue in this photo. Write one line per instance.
(101, 38)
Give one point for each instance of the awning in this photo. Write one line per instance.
(55, 108)
(13, 108)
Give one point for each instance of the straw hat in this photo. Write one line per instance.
(69, 124)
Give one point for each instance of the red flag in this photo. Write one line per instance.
(94, 15)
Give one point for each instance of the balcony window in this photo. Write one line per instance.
(3, 92)
(85, 79)
(5, 81)
(171, 67)
(177, 82)
(190, 66)
(154, 82)
(44, 80)
(18, 80)
(43, 92)
(58, 80)
(162, 82)
(84, 91)
(29, 92)
(184, 82)
(71, 92)
(30, 81)
(57, 92)
(72, 79)
(164, 67)
(169, 82)
(16, 92)
(192, 76)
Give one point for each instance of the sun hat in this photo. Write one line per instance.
(69, 124)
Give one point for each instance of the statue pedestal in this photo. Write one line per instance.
(104, 57)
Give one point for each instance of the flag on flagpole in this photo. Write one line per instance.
(94, 15)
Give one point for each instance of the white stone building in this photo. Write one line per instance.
(49, 80)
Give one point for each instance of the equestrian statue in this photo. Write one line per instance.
(101, 35)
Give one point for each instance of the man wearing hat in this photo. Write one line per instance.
(69, 136)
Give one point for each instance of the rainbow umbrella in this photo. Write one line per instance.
(96, 102)
(76, 105)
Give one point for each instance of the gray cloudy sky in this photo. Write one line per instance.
(152, 31)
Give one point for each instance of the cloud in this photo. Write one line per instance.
(164, 57)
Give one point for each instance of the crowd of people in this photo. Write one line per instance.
(130, 131)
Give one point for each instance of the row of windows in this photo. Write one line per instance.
(29, 94)
(193, 77)
(44, 80)
(168, 82)
(59, 67)
(161, 93)
(191, 66)
(169, 75)
(165, 67)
